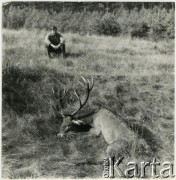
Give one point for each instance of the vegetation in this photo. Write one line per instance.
(134, 77)
(145, 20)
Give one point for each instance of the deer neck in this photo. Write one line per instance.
(88, 114)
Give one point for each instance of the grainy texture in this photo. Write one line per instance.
(133, 77)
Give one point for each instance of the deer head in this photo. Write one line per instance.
(68, 119)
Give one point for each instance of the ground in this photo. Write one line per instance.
(134, 77)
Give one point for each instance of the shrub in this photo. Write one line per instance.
(139, 30)
(108, 25)
(157, 31)
(15, 18)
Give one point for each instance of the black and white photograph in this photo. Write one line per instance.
(87, 89)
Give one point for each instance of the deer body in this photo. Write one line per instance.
(113, 128)
(109, 125)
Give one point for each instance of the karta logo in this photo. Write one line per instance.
(113, 168)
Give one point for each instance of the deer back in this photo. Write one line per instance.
(112, 127)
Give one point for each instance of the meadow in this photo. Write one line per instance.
(134, 77)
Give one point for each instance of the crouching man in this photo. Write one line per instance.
(55, 43)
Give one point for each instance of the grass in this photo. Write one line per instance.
(134, 77)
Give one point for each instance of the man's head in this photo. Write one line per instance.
(53, 29)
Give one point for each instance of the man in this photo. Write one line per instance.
(55, 42)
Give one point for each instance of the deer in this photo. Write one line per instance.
(113, 127)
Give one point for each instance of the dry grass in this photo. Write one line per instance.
(99, 55)
(133, 77)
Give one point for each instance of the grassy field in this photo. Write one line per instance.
(134, 77)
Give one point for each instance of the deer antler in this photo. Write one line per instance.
(60, 99)
(89, 88)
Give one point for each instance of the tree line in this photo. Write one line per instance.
(139, 19)
(90, 6)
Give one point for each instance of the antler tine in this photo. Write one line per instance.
(83, 79)
(78, 97)
(87, 82)
(87, 97)
(92, 83)
(61, 113)
(60, 99)
(54, 93)
(89, 85)
(64, 93)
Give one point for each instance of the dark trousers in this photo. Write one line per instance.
(60, 50)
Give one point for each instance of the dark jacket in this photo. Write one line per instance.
(54, 39)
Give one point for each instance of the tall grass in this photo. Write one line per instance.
(134, 77)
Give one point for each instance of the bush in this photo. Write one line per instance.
(158, 31)
(107, 25)
(14, 18)
(139, 30)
